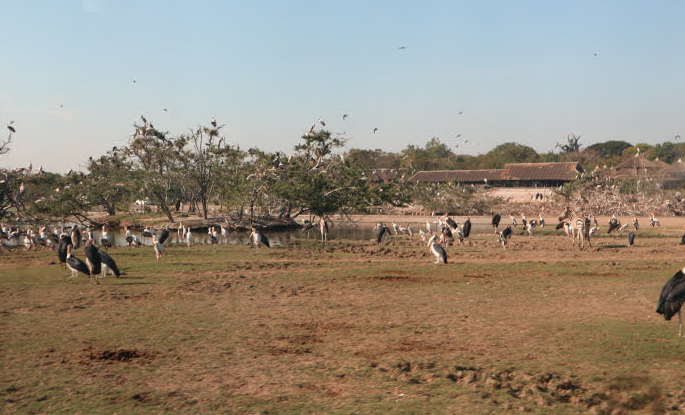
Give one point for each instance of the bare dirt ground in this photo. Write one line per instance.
(350, 327)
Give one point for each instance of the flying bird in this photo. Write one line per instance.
(345, 116)
(596, 54)
(401, 47)
(134, 80)
(165, 110)
(671, 299)
(375, 129)
(12, 129)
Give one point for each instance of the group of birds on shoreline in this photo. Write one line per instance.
(98, 263)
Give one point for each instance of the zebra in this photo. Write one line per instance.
(580, 227)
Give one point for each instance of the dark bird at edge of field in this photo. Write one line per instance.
(466, 227)
(671, 299)
(164, 235)
(631, 239)
(92, 258)
(682, 240)
(560, 225)
(108, 264)
(381, 231)
(495, 220)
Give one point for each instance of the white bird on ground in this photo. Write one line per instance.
(190, 239)
(423, 235)
(259, 239)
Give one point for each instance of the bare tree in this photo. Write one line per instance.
(572, 144)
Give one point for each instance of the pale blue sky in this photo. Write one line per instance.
(521, 71)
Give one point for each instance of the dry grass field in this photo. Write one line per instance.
(350, 327)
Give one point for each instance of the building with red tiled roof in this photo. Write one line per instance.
(512, 175)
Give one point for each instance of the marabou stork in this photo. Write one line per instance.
(513, 221)
(75, 264)
(504, 236)
(108, 265)
(375, 129)
(495, 221)
(466, 228)
(560, 225)
(259, 239)
(437, 250)
(63, 247)
(395, 227)
(321, 122)
(381, 231)
(164, 235)
(92, 258)
(613, 224)
(672, 297)
(631, 238)
(451, 223)
(429, 227)
(446, 235)
(635, 223)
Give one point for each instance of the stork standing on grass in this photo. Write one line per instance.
(108, 265)
(92, 259)
(381, 231)
(190, 239)
(323, 228)
(466, 228)
(671, 299)
(159, 248)
(504, 236)
(631, 238)
(495, 221)
(437, 250)
(259, 239)
(75, 264)
(63, 247)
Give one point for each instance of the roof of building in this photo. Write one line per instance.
(511, 172)
(467, 176)
(637, 163)
(542, 171)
